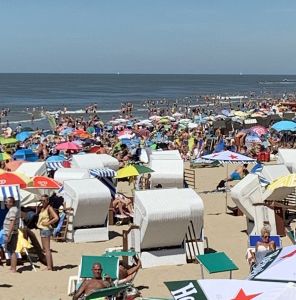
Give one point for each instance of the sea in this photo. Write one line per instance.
(27, 94)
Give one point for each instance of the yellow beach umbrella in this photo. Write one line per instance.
(132, 170)
(285, 181)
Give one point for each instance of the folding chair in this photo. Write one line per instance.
(252, 241)
(110, 266)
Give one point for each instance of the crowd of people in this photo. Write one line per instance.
(191, 130)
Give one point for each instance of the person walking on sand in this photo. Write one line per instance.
(47, 217)
(10, 227)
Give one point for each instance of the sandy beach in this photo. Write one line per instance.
(225, 232)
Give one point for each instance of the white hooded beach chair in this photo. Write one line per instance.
(163, 217)
(90, 200)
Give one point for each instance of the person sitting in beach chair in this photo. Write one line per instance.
(123, 205)
(95, 283)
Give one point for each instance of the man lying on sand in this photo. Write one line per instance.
(90, 285)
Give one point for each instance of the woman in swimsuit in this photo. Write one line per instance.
(264, 246)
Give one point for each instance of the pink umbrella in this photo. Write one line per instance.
(259, 130)
(68, 146)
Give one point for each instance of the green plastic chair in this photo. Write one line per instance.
(110, 265)
(112, 291)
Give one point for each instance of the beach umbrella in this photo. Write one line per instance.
(22, 136)
(43, 182)
(90, 130)
(284, 181)
(177, 115)
(66, 131)
(68, 146)
(229, 157)
(154, 118)
(226, 289)
(252, 139)
(133, 170)
(259, 130)
(164, 121)
(284, 126)
(14, 178)
(4, 156)
(81, 133)
(278, 265)
(7, 141)
(55, 158)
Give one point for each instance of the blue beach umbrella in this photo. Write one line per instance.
(284, 126)
(66, 131)
(22, 136)
(55, 158)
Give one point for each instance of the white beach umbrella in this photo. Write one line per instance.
(226, 289)
(154, 118)
(177, 115)
(229, 157)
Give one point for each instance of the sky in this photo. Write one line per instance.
(148, 36)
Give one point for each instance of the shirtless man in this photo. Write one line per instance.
(95, 283)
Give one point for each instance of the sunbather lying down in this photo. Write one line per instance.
(238, 174)
(123, 205)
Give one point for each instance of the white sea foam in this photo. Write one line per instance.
(81, 111)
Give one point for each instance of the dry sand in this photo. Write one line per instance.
(224, 231)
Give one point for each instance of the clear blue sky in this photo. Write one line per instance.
(148, 36)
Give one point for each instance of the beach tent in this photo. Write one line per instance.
(277, 266)
(32, 169)
(70, 173)
(90, 200)
(109, 161)
(25, 154)
(225, 289)
(288, 158)
(168, 169)
(163, 216)
(247, 194)
(273, 172)
(87, 161)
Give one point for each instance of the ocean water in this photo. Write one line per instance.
(23, 92)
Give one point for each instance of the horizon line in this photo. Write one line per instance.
(130, 73)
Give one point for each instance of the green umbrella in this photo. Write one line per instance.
(7, 141)
(90, 130)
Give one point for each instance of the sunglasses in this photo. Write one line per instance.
(97, 269)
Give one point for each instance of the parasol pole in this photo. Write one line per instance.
(226, 188)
